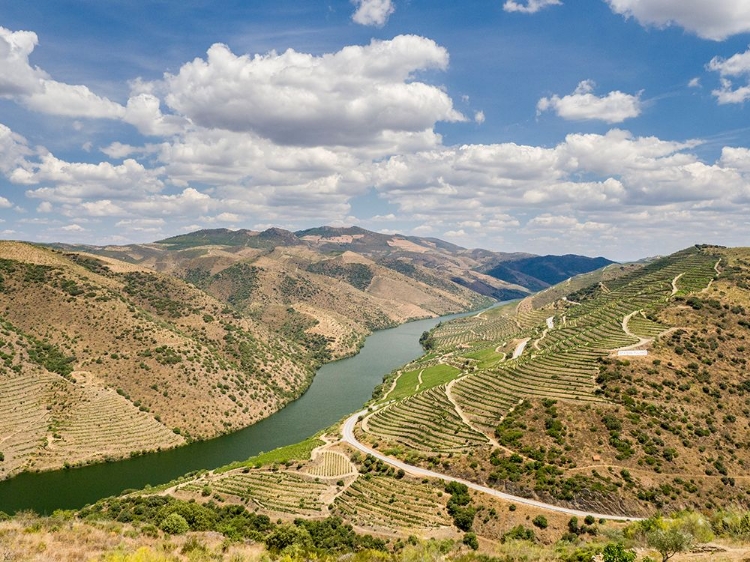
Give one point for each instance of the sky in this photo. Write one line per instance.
(618, 128)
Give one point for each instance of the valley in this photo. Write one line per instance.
(112, 352)
(611, 396)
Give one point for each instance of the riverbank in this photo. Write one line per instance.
(337, 389)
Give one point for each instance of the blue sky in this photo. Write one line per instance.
(602, 127)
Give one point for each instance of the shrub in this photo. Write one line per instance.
(150, 530)
(175, 524)
(287, 535)
(669, 542)
(617, 553)
(540, 521)
(470, 540)
(519, 533)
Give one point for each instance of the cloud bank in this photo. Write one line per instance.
(715, 19)
(295, 138)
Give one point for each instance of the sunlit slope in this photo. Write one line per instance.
(102, 364)
(627, 375)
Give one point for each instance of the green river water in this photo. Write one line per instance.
(338, 389)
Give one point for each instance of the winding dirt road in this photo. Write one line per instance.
(519, 348)
(348, 437)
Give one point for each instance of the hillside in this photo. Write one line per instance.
(101, 363)
(540, 272)
(624, 396)
(619, 393)
(616, 394)
(114, 351)
(338, 284)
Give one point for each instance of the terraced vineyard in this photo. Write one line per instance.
(103, 423)
(695, 279)
(426, 422)
(330, 464)
(642, 326)
(560, 362)
(382, 501)
(487, 396)
(277, 492)
(598, 318)
(23, 428)
(490, 326)
(486, 357)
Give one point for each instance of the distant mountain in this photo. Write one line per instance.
(540, 272)
(498, 275)
(224, 237)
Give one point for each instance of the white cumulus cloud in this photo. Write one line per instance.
(14, 150)
(709, 19)
(73, 228)
(79, 181)
(372, 12)
(736, 66)
(355, 96)
(35, 89)
(530, 7)
(582, 104)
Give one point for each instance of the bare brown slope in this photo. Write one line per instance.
(110, 363)
(276, 285)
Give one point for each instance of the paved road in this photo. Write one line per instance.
(348, 437)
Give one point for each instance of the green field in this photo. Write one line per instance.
(408, 383)
(296, 452)
(486, 357)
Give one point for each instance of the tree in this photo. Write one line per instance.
(669, 542)
(615, 552)
(470, 540)
(175, 524)
(287, 535)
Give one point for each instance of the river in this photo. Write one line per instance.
(338, 389)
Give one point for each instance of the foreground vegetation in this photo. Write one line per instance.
(158, 529)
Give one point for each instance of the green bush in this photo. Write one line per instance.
(615, 552)
(287, 535)
(470, 540)
(519, 533)
(175, 524)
